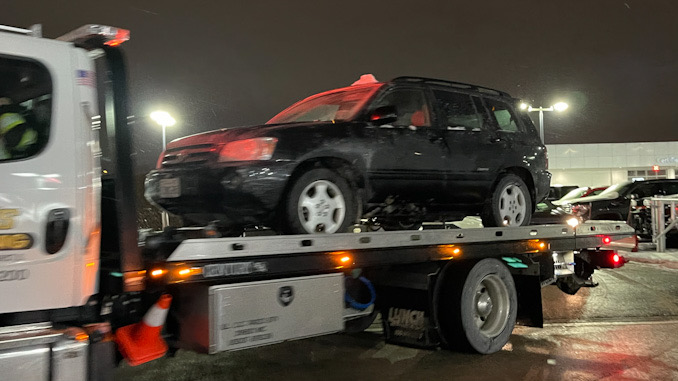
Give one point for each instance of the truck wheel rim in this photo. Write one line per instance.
(491, 306)
(512, 206)
(322, 207)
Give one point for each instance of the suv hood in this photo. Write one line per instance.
(600, 197)
(232, 133)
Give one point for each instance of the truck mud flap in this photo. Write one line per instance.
(406, 317)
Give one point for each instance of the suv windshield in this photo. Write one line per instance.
(342, 104)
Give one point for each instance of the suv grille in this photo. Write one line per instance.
(190, 155)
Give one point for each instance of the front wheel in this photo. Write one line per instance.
(510, 204)
(320, 201)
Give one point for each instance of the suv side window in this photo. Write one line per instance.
(503, 115)
(670, 188)
(410, 105)
(25, 108)
(458, 110)
(644, 190)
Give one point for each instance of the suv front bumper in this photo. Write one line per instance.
(242, 194)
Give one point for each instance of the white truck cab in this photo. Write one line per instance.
(49, 217)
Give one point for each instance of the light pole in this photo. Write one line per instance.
(560, 106)
(165, 120)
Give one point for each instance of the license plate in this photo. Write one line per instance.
(170, 188)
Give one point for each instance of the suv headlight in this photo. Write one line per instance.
(248, 149)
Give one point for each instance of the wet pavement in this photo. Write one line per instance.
(624, 329)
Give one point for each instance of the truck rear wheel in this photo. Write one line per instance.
(477, 306)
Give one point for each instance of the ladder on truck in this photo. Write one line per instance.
(234, 293)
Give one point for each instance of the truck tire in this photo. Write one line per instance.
(510, 203)
(320, 201)
(477, 306)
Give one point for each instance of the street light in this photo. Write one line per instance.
(560, 106)
(165, 120)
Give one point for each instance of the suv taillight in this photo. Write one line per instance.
(248, 149)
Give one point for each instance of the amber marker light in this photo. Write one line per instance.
(186, 272)
(156, 273)
(450, 251)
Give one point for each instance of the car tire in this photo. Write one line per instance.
(478, 306)
(510, 203)
(320, 201)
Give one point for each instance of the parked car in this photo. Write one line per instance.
(640, 218)
(614, 202)
(559, 211)
(556, 192)
(397, 153)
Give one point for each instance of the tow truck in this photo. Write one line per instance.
(74, 275)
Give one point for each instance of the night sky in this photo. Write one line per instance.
(222, 64)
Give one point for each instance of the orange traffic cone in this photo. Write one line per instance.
(141, 342)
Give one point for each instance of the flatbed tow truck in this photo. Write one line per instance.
(76, 283)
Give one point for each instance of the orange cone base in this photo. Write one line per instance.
(135, 352)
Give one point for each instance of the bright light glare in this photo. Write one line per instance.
(560, 106)
(523, 106)
(163, 118)
(573, 222)
(345, 259)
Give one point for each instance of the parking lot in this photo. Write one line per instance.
(626, 328)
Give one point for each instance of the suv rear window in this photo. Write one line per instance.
(25, 108)
(458, 110)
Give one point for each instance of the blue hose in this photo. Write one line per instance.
(361, 306)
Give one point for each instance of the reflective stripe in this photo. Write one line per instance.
(29, 137)
(10, 120)
(155, 317)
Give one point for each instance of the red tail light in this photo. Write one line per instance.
(248, 149)
(616, 258)
(607, 240)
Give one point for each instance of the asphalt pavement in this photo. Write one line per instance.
(624, 329)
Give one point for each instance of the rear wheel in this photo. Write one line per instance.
(510, 204)
(320, 201)
(478, 307)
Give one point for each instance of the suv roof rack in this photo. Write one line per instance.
(460, 85)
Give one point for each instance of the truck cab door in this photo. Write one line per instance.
(49, 193)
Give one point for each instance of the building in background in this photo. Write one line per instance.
(610, 163)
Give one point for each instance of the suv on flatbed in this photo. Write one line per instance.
(393, 153)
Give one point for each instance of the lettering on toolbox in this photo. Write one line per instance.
(230, 269)
(249, 331)
(19, 241)
(7, 218)
(12, 275)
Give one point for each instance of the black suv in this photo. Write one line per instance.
(614, 202)
(393, 154)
